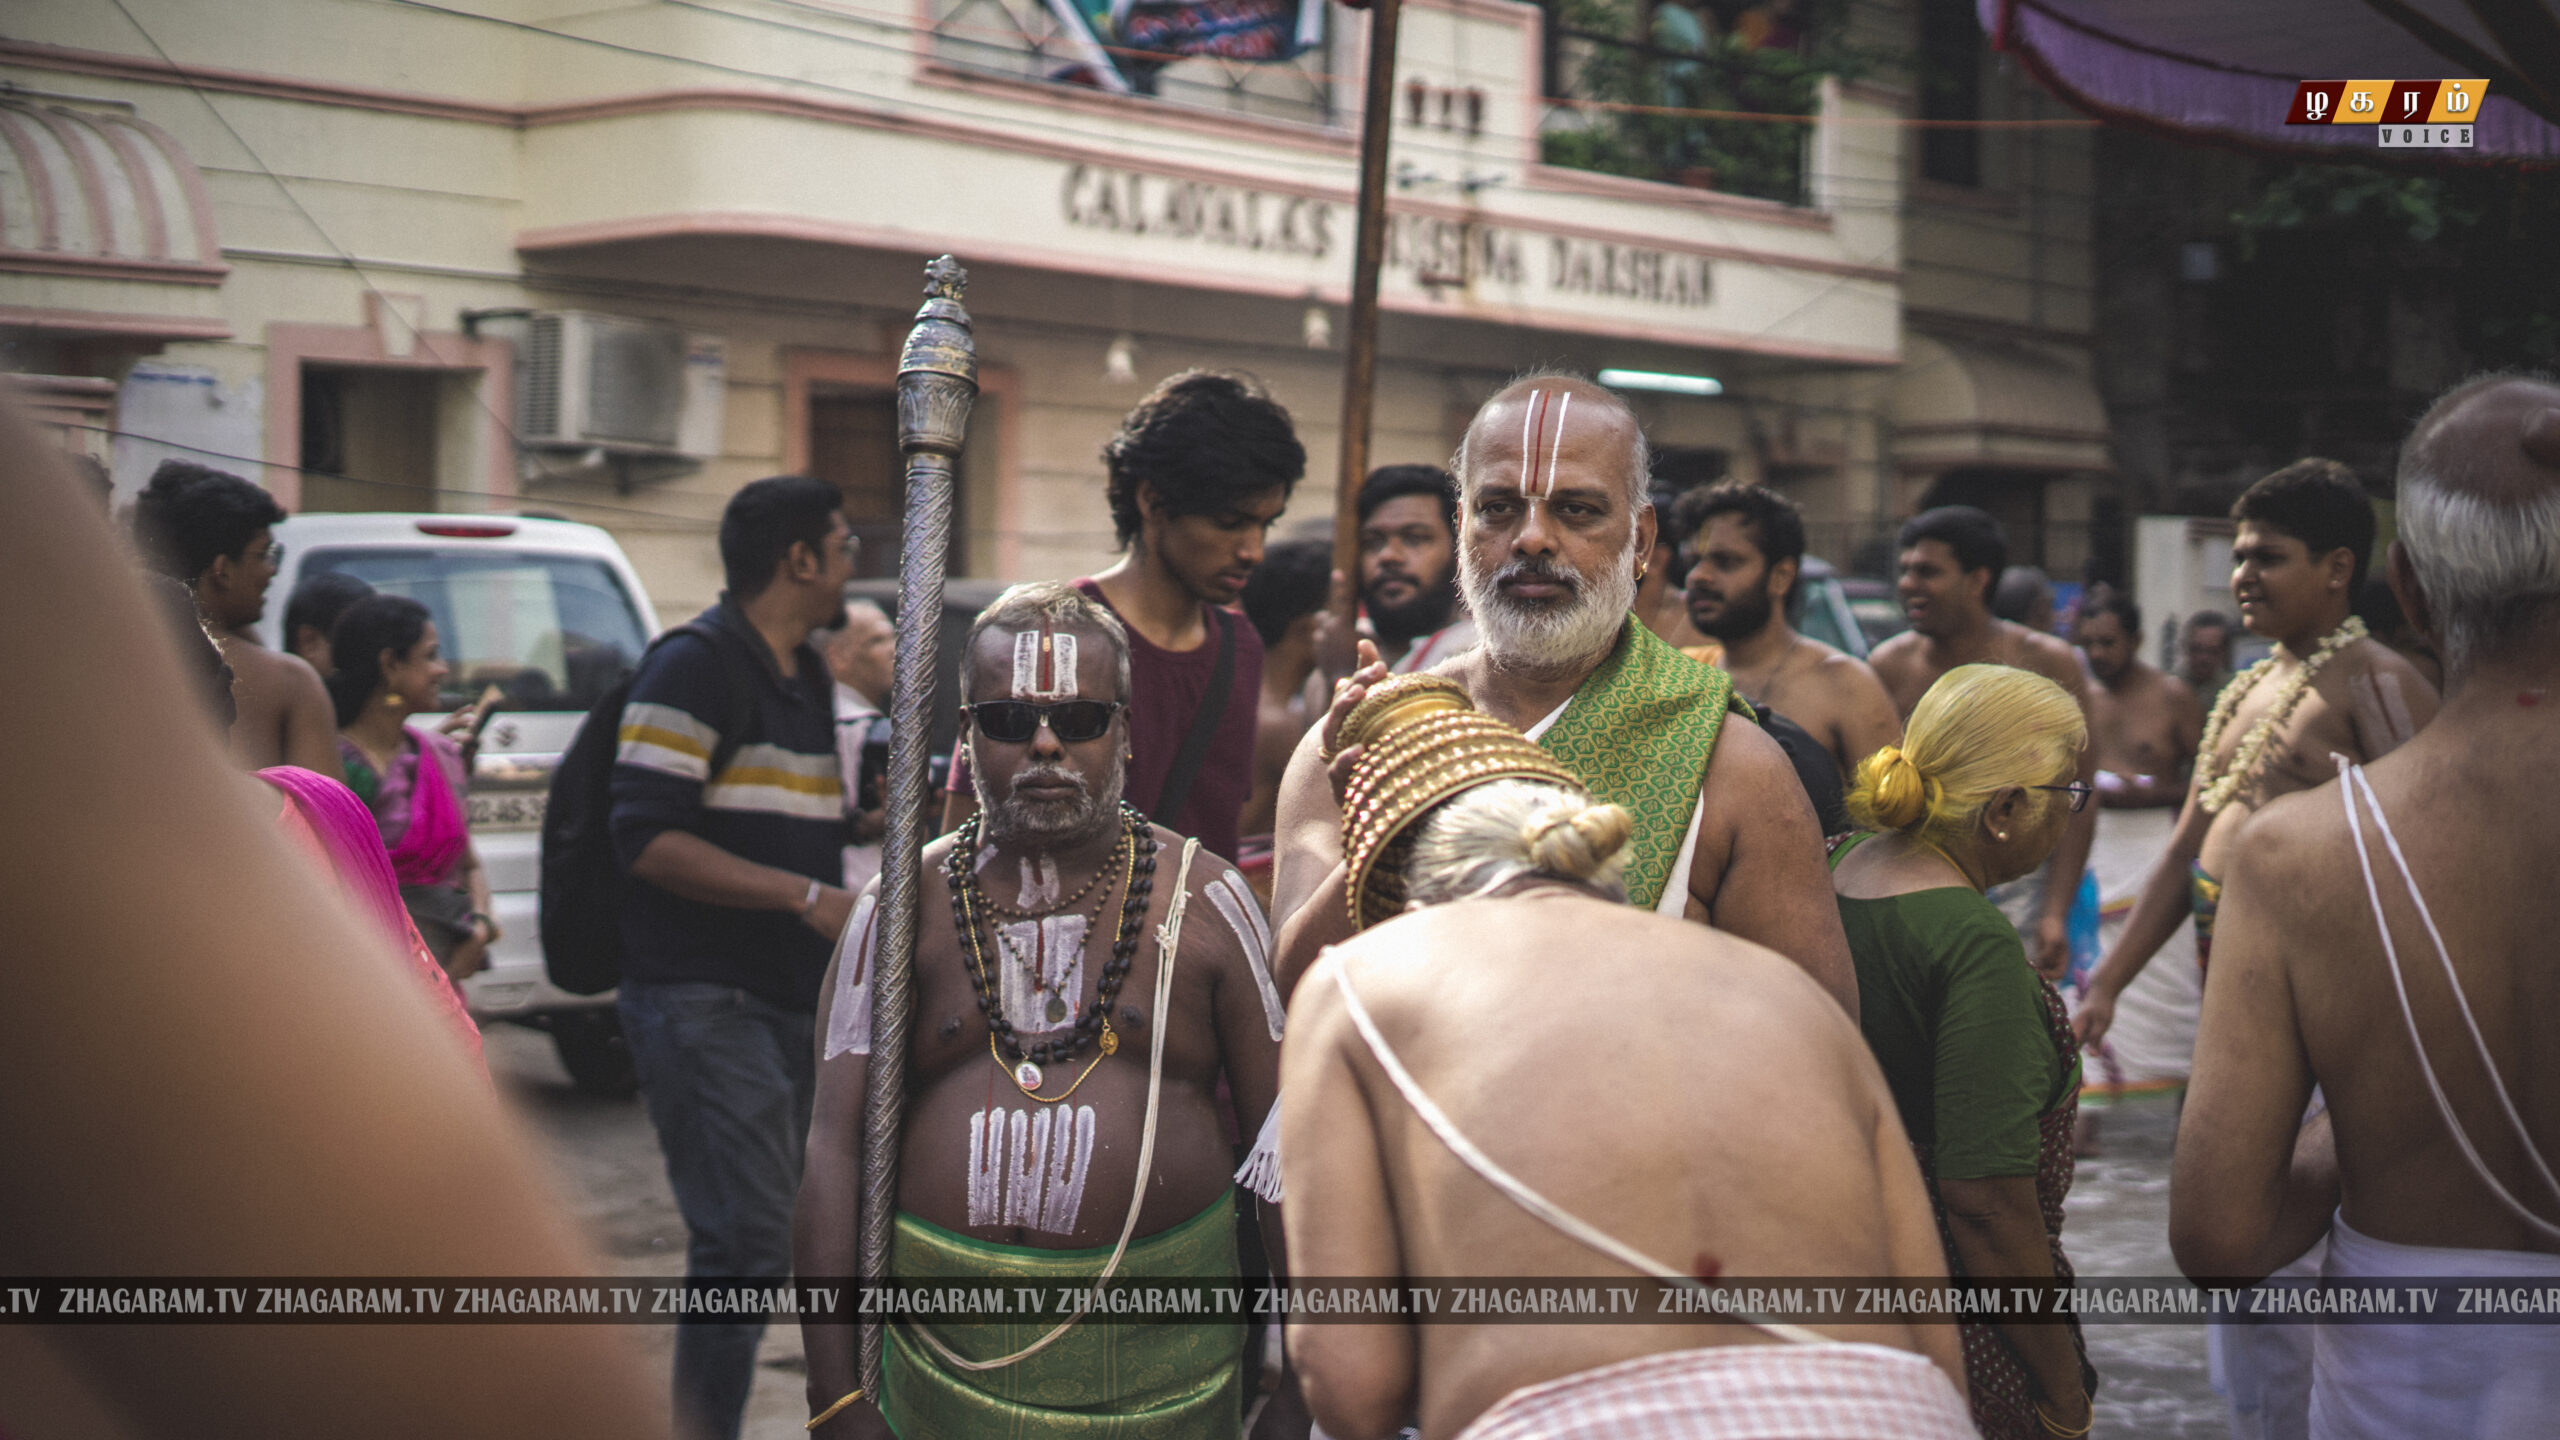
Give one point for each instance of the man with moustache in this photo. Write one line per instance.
(1747, 542)
(1553, 530)
(1409, 567)
(1057, 1048)
(1951, 558)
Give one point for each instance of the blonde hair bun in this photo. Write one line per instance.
(1978, 730)
(1901, 792)
(1575, 843)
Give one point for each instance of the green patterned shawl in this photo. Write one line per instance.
(1640, 732)
(1099, 1381)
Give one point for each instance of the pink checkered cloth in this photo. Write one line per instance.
(1740, 1392)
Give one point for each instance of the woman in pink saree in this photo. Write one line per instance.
(326, 821)
(390, 665)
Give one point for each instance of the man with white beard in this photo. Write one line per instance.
(1553, 534)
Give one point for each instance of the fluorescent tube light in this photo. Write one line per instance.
(1655, 380)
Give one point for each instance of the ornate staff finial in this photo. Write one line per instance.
(944, 279)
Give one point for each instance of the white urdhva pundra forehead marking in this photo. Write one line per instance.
(1029, 1167)
(1040, 886)
(1537, 435)
(1054, 946)
(1555, 451)
(1044, 665)
(1243, 915)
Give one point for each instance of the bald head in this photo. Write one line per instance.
(2479, 517)
(1537, 425)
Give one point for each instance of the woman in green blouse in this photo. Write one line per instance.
(1974, 1044)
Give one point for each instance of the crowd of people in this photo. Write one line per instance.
(1531, 926)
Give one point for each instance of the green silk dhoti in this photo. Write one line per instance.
(1100, 1380)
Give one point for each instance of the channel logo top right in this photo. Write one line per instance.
(2405, 114)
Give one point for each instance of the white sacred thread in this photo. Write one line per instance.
(1243, 915)
(1564, 407)
(1029, 1168)
(849, 1019)
(1056, 948)
(1044, 665)
(1040, 884)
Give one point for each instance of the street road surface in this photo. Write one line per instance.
(2152, 1377)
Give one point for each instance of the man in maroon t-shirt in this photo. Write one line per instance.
(1197, 473)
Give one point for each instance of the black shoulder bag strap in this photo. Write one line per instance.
(1204, 726)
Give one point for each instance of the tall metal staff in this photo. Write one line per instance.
(937, 384)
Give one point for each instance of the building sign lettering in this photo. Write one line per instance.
(1138, 204)
(1453, 252)
(1435, 251)
(1633, 272)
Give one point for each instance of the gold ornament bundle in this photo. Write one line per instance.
(1422, 740)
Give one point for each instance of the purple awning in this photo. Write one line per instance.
(2215, 70)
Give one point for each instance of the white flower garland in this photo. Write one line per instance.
(2222, 783)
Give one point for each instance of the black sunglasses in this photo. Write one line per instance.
(1012, 722)
(2078, 792)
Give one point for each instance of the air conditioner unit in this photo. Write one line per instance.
(590, 381)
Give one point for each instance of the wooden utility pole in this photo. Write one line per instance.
(1360, 362)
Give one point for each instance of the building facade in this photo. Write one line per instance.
(613, 264)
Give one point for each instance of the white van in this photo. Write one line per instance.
(552, 614)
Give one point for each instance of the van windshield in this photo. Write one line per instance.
(554, 632)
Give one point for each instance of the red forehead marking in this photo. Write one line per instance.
(1533, 438)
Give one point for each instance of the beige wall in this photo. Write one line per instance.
(462, 165)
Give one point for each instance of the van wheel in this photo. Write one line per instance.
(592, 1049)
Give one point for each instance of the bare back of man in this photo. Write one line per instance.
(1752, 1135)
(285, 716)
(2301, 922)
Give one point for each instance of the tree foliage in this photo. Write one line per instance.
(2482, 239)
(1663, 58)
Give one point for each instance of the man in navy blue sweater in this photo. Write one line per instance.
(735, 906)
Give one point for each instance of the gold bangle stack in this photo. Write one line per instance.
(1422, 741)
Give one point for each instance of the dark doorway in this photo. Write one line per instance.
(853, 445)
(369, 438)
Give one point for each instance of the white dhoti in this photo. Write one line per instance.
(2433, 1382)
(1837, 1391)
(2153, 1040)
